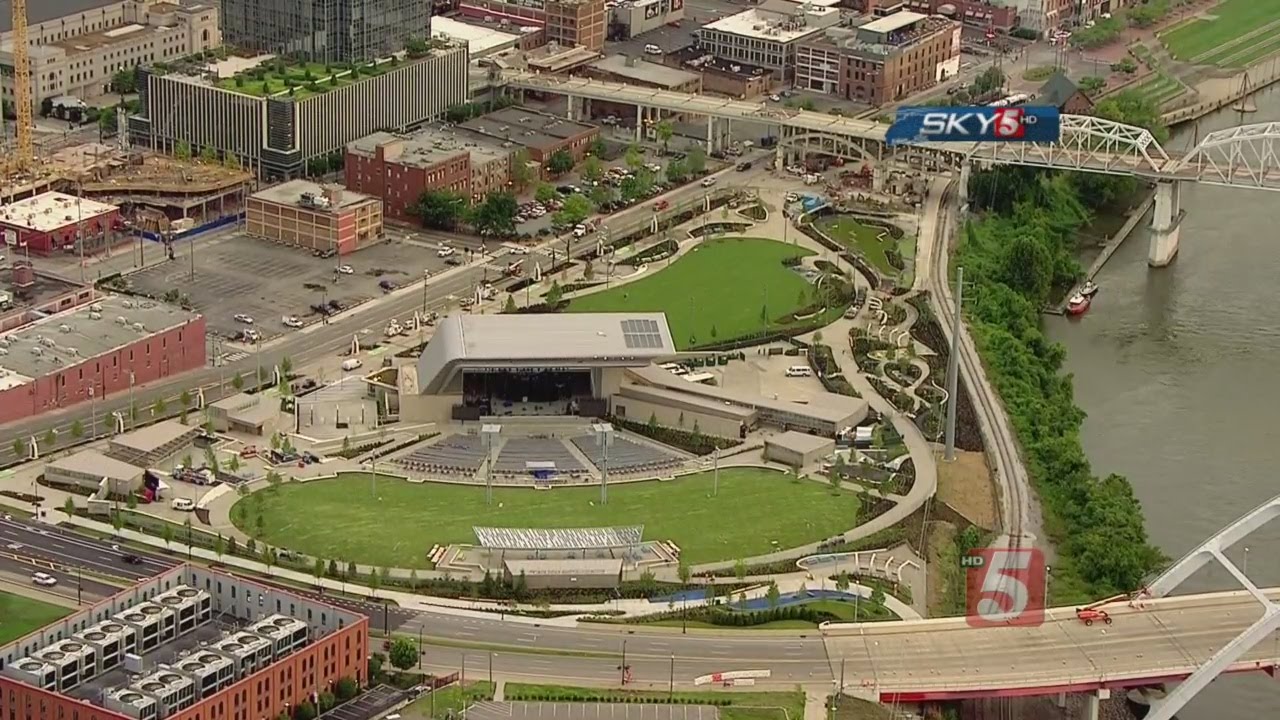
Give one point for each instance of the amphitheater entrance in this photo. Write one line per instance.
(528, 392)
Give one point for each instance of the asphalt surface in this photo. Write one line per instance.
(62, 548)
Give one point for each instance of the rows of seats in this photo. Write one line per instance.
(454, 455)
(517, 451)
(627, 456)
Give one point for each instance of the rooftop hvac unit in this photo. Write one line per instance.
(127, 304)
(74, 352)
(96, 307)
(139, 327)
(47, 341)
(95, 316)
(4, 351)
(37, 350)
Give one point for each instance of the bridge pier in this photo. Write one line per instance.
(966, 174)
(1165, 224)
(1093, 701)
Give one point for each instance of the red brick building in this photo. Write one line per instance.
(541, 134)
(1001, 18)
(325, 645)
(88, 354)
(399, 169)
(52, 221)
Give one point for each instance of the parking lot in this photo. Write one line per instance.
(590, 711)
(236, 274)
(372, 704)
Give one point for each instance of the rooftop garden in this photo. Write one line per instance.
(300, 79)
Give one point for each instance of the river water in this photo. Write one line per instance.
(1177, 369)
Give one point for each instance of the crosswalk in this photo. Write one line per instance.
(234, 357)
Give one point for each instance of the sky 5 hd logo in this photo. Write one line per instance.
(975, 124)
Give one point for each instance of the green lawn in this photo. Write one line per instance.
(1159, 89)
(1230, 20)
(339, 519)
(716, 292)
(448, 702)
(20, 615)
(867, 611)
(869, 242)
(782, 705)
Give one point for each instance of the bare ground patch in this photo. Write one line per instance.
(943, 569)
(965, 485)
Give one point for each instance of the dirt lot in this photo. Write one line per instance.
(965, 484)
(238, 274)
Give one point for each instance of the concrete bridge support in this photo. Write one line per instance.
(1092, 703)
(1166, 224)
(966, 174)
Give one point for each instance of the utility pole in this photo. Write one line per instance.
(623, 667)
(953, 369)
(715, 476)
(671, 687)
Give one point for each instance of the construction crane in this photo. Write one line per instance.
(24, 154)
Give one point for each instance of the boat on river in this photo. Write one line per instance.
(1078, 304)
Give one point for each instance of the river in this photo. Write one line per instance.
(1176, 370)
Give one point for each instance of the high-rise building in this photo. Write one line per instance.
(328, 31)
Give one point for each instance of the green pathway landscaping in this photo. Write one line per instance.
(20, 615)
(782, 705)
(871, 242)
(1220, 25)
(398, 526)
(717, 292)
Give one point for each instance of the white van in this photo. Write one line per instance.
(183, 504)
(799, 371)
(352, 364)
(652, 50)
(43, 579)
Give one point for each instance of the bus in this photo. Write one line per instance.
(1011, 101)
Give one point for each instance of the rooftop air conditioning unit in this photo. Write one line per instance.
(127, 304)
(95, 316)
(37, 350)
(4, 351)
(139, 327)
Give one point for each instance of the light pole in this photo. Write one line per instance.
(133, 412)
(671, 684)
(1245, 568)
(623, 667)
(953, 370)
(604, 438)
(715, 475)
(490, 433)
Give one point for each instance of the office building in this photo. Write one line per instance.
(276, 130)
(881, 61)
(313, 217)
(721, 76)
(630, 18)
(542, 135)
(767, 35)
(569, 23)
(53, 221)
(158, 651)
(326, 31)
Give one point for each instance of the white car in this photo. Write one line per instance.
(775, 98)
(708, 182)
(517, 250)
(242, 318)
(445, 251)
(251, 335)
(292, 321)
(43, 579)
(346, 270)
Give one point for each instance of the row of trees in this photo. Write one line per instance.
(1020, 255)
(1108, 29)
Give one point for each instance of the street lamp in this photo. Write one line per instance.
(489, 432)
(604, 438)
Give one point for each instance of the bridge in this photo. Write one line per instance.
(1242, 157)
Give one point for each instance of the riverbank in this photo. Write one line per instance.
(1109, 249)
(1218, 93)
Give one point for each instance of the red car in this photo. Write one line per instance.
(1089, 615)
(661, 205)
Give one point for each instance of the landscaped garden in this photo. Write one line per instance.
(884, 247)
(1158, 88)
(304, 79)
(1234, 32)
(20, 615)
(721, 290)
(396, 523)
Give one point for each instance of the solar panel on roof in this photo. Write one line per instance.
(641, 333)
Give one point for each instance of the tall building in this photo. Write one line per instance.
(571, 23)
(767, 35)
(327, 31)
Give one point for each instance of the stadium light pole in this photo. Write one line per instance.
(490, 433)
(715, 475)
(604, 438)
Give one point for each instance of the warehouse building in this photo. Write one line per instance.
(570, 23)
(721, 76)
(94, 352)
(797, 449)
(151, 446)
(52, 222)
(277, 134)
(89, 468)
(306, 215)
(541, 134)
(630, 18)
(767, 35)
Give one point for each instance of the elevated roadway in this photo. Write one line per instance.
(1161, 640)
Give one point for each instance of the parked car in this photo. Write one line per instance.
(708, 182)
(292, 321)
(242, 318)
(346, 270)
(444, 251)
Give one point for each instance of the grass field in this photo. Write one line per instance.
(340, 519)
(448, 702)
(20, 615)
(274, 82)
(1159, 89)
(1248, 22)
(867, 611)
(866, 241)
(742, 705)
(722, 285)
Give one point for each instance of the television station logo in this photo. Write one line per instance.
(975, 124)
(1004, 586)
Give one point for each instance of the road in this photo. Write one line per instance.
(315, 343)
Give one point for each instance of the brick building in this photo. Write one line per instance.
(283, 650)
(881, 61)
(399, 168)
(309, 216)
(999, 17)
(567, 22)
(50, 222)
(721, 76)
(95, 351)
(541, 134)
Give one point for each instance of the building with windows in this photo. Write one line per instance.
(79, 59)
(399, 168)
(720, 76)
(541, 134)
(95, 351)
(53, 221)
(767, 35)
(326, 31)
(995, 15)
(277, 130)
(314, 217)
(630, 18)
(481, 41)
(159, 651)
(884, 60)
(570, 23)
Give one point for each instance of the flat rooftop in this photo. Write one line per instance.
(46, 287)
(527, 127)
(827, 407)
(52, 210)
(643, 71)
(773, 26)
(119, 35)
(799, 442)
(44, 347)
(429, 146)
(40, 12)
(153, 437)
(92, 462)
(896, 21)
(290, 193)
(480, 40)
(695, 57)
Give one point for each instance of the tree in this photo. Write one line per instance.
(375, 582)
(77, 429)
(554, 294)
(988, 81)
(597, 147)
(317, 569)
(1133, 108)
(403, 653)
(305, 711)
(877, 595)
(211, 459)
(665, 131)
(509, 307)
(131, 501)
(773, 596)
(50, 437)
(592, 169)
(602, 196)
(677, 172)
(576, 208)
(1092, 84)
(117, 522)
(842, 581)
(440, 209)
(740, 569)
(1103, 31)
(413, 579)
(275, 441)
(544, 193)
(274, 480)
(182, 150)
(346, 689)
(634, 159)
(496, 216)
(351, 569)
(588, 272)
(286, 366)
(696, 161)
(19, 448)
(233, 464)
(219, 546)
(521, 169)
(683, 572)
(69, 507)
(835, 479)
(237, 381)
(166, 534)
(327, 701)
(124, 82)
(268, 557)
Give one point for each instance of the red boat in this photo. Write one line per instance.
(1078, 304)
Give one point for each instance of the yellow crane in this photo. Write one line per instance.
(22, 88)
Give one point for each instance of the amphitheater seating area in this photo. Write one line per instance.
(453, 455)
(517, 451)
(627, 456)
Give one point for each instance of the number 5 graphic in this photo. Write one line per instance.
(1008, 589)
